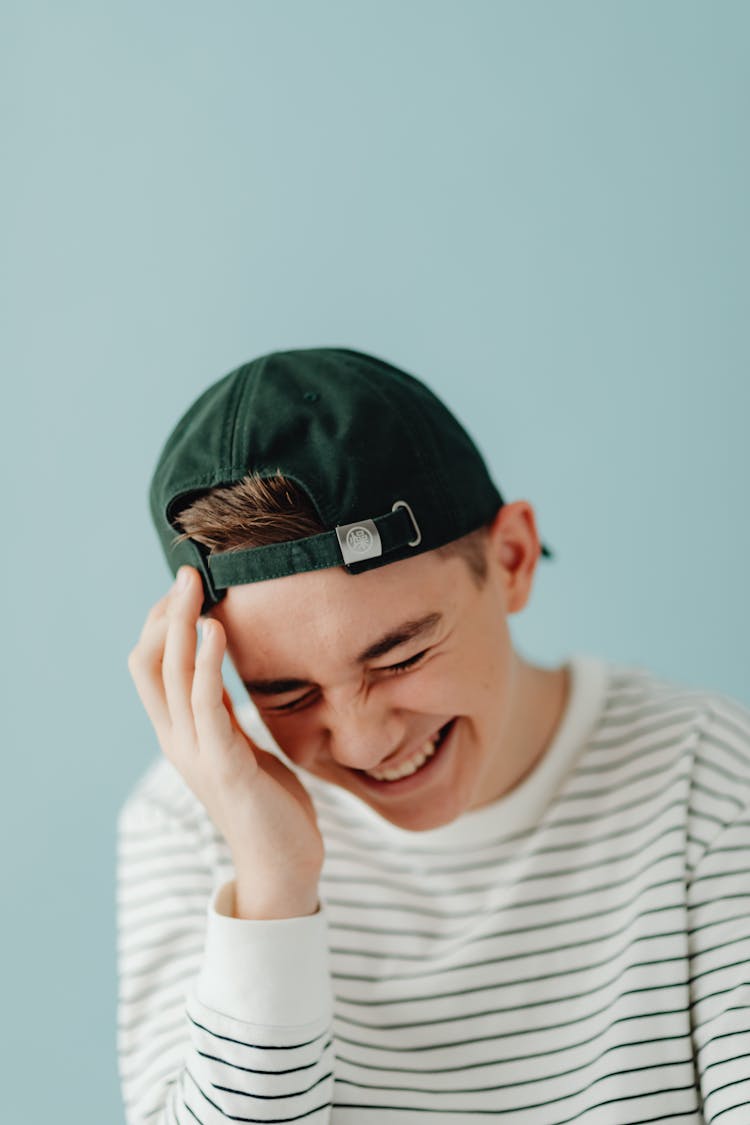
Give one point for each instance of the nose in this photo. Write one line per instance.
(361, 733)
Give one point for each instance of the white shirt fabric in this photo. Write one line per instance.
(576, 951)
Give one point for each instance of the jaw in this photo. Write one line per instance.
(424, 798)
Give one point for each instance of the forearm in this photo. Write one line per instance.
(214, 1011)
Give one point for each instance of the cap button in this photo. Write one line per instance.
(311, 396)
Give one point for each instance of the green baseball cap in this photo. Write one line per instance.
(389, 470)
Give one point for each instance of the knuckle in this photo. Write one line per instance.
(136, 659)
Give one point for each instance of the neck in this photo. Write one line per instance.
(547, 691)
(540, 697)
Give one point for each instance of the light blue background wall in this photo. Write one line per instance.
(540, 208)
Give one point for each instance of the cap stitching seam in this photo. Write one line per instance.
(252, 384)
(427, 475)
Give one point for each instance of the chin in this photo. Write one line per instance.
(421, 816)
(437, 793)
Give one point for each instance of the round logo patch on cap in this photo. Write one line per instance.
(359, 541)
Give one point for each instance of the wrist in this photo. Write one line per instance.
(248, 902)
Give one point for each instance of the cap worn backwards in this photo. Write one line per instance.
(389, 470)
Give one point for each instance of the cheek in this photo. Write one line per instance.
(475, 682)
(445, 684)
(291, 733)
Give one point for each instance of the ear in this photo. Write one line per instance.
(514, 548)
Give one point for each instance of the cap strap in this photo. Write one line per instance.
(348, 544)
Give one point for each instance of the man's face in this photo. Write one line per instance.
(355, 673)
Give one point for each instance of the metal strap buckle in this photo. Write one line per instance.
(403, 504)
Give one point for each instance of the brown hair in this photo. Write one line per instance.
(256, 511)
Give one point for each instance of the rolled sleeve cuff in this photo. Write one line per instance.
(274, 972)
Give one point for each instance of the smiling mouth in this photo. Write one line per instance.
(415, 764)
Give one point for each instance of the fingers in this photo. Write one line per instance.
(178, 664)
(145, 663)
(183, 693)
(209, 697)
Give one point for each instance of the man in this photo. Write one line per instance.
(415, 878)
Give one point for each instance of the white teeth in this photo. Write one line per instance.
(407, 768)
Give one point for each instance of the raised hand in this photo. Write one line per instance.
(256, 802)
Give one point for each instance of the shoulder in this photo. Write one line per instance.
(723, 753)
(638, 685)
(729, 724)
(686, 731)
(160, 797)
(637, 695)
(699, 737)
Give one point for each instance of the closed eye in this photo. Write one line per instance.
(404, 665)
(396, 669)
(296, 704)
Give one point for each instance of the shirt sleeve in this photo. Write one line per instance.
(719, 920)
(219, 1018)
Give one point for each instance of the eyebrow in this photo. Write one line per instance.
(407, 631)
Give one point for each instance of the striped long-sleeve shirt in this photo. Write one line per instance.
(576, 951)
